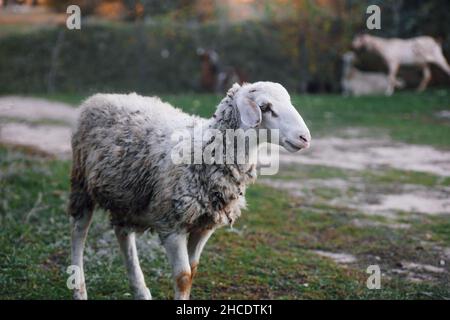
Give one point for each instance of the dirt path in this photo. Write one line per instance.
(357, 195)
(371, 153)
(33, 109)
(53, 140)
(25, 122)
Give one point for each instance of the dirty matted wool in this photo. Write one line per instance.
(122, 162)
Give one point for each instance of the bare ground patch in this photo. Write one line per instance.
(49, 139)
(371, 153)
(418, 272)
(342, 258)
(358, 196)
(34, 109)
(53, 140)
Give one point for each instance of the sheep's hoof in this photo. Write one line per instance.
(143, 295)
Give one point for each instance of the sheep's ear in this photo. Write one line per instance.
(249, 111)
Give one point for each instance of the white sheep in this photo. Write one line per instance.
(122, 162)
(418, 51)
(356, 83)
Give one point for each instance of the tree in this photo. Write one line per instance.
(140, 8)
(88, 7)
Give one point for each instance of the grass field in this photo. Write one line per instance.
(408, 116)
(270, 253)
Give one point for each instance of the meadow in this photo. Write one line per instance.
(275, 250)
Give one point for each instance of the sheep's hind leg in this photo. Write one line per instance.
(127, 243)
(440, 61)
(426, 78)
(196, 243)
(80, 227)
(177, 253)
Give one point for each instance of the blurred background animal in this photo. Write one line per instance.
(419, 51)
(356, 83)
(214, 76)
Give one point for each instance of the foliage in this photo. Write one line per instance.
(155, 58)
(87, 6)
(300, 47)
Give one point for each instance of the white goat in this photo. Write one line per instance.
(122, 162)
(357, 83)
(419, 51)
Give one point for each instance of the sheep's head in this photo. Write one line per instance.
(267, 105)
(361, 41)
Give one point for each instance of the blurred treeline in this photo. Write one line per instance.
(152, 46)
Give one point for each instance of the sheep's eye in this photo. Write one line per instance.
(266, 107)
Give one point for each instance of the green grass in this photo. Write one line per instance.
(406, 116)
(385, 176)
(269, 257)
(269, 254)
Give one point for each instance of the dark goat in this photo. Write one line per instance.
(214, 76)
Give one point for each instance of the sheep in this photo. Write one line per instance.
(418, 51)
(122, 162)
(357, 83)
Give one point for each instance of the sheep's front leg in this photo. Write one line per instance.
(177, 253)
(196, 243)
(393, 69)
(80, 228)
(127, 243)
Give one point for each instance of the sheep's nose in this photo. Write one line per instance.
(305, 138)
